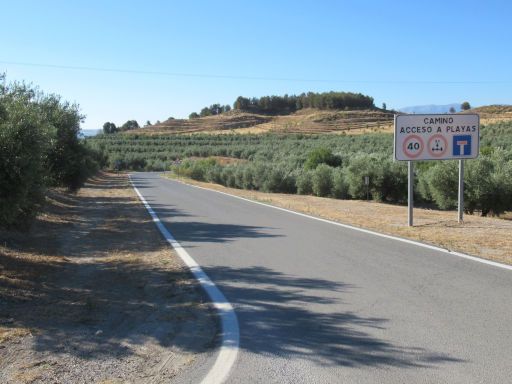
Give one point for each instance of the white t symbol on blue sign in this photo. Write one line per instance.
(462, 145)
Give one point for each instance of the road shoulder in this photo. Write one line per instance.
(94, 294)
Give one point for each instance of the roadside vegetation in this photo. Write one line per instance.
(40, 148)
(323, 165)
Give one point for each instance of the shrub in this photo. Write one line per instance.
(214, 174)
(22, 173)
(488, 184)
(228, 177)
(390, 181)
(360, 166)
(321, 156)
(247, 178)
(441, 184)
(322, 180)
(279, 180)
(67, 158)
(304, 183)
(340, 185)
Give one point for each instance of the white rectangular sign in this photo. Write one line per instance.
(437, 137)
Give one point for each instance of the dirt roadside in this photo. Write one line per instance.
(485, 237)
(93, 294)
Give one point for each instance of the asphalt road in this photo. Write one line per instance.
(318, 303)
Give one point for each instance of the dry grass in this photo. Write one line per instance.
(489, 238)
(84, 292)
(307, 121)
(7, 334)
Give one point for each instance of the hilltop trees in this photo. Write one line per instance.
(465, 106)
(288, 104)
(109, 128)
(273, 105)
(212, 110)
(129, 125)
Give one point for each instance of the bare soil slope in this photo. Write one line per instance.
(493, 113)
(92, 294)
(304, 121)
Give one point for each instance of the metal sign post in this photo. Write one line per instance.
(410, 193)
(367, 184)
(461, 191)
(437, 137)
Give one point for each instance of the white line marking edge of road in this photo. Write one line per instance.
(403, 240)
(230, 335)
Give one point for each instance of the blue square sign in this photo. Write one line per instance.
(462, 145)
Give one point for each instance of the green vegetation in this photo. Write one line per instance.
(292, 103)
(109, 127)
(215, 109)
(323, 165)
(39, 147)
(465, 106)
(282, 105)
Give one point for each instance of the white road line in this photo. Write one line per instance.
(229, 322)
(433, 247)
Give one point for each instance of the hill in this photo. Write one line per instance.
(493, 113)
(306, 121)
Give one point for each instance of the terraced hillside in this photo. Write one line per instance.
(225, 122)
(316, 121)
(303, 121)
(307, 121)
(493, 113)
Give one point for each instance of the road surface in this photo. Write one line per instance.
(319, 303)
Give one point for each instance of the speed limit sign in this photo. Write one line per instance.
(413, 146)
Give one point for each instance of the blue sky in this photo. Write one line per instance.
(171, 58)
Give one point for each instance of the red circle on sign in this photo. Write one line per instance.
(437, 150)
(407, 141)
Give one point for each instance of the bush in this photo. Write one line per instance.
(340, 185)
(390, 181)
(488, 184)
(304, 183)
(67, 158)
(40, 147)
(228, 177)
(247, 178)
(440, 183)
(360, 166)
(322, 180)
(321, 156)
(279, 180)
(214, 174)
(22, 175)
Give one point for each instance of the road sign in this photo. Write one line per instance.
(437, 137)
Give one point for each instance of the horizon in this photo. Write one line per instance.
(170, 59)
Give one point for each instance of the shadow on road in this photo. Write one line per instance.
(283, 316)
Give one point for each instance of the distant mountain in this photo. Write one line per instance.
(431, 108)
(90, 132)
